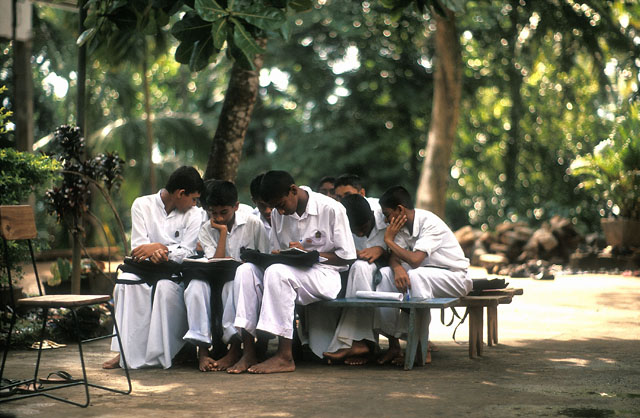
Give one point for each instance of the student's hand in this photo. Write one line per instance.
(220, 227)
(401, 279)
(145, 251)
(275, 251)
(394, 227)
(370, 254)
(296, 244)
(159, 256)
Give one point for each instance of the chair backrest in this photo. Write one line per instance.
(17, 222)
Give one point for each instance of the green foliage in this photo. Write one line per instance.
(70, 201)
(22, 172)
(611, 173)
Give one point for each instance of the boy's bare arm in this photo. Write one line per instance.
(332, 258)
(400, 275)
(413, 258)
(222, 240)
(371, 254)
(145, 251)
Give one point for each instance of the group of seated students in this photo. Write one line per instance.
(381, 244)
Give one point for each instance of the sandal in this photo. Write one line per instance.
(7, 388)
(58, 377)
(54, 344)
(45, 345)
(29, 388)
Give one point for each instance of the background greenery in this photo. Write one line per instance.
(349, 90)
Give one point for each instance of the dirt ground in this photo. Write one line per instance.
(568, 347)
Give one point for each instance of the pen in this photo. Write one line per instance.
(407, 297)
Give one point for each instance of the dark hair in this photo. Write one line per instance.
(219, 193)
(349, 180)
(358, 210)
(394, 196)
(186, 178)
(254, 187)
(275, 184)
(326, 179)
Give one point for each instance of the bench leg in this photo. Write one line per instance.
(492, 325)
(422, 325)
(475, 331)
(412, 340)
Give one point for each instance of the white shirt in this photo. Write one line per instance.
(431, 235)
(267, 225)
(376, 236)
(151, 223)
(374, 202)
(323, 227)
(247, 231)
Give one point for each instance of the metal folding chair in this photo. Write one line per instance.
(18, 223)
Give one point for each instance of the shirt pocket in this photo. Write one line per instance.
(316, 240)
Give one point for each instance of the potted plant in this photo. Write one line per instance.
(21, 173)
(612, 172)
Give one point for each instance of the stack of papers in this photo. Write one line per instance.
(368, 294)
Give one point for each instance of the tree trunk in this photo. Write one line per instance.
(226, 150)
(515, 113)
(76, 266)
(148, 124)
(23, 82)
(432, 189)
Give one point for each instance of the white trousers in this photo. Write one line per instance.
(151, 334)
(266, 300)
(426, 283)
(356, 323)
(197, 299)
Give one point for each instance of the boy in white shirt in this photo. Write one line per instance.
(262, 209)
(354, 335)
(227, 231)
(302, 219)
(164, 227)
(426, 260)
(347, 184)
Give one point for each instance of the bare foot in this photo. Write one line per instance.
(356, 360)
(398, 360)
(247, 360)
(205, 363)
(276, 364)
(433, 347)
(114, 363)
(390, 355)
(228, 360)
(428, 359)
(358, 348)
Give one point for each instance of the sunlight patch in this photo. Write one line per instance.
(576, 361)
(416, 396)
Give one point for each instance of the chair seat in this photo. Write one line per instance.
(63, 301)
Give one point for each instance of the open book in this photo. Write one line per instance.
(206, 260)
(294, 250)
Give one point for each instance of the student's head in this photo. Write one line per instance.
(348, 184)
(185, 186)
(220, 199)
(326, 186)
(361, 219)
(263, 207)
(395, 201)
(279, 190)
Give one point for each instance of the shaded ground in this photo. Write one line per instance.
(568, 347)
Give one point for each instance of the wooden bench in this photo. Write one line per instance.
(418, 311)
(475, 304)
